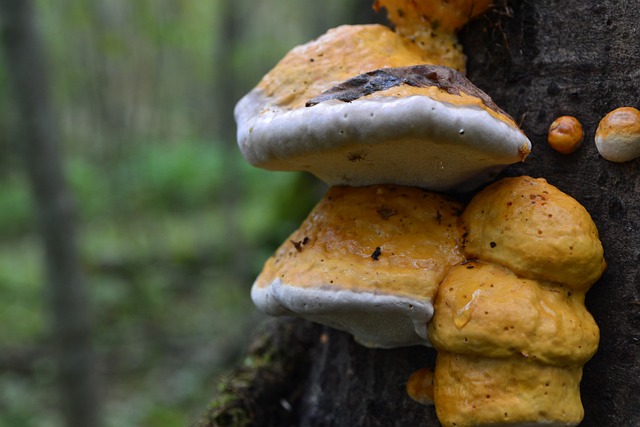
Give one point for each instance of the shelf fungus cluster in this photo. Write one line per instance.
(510, 325)
(496, 286)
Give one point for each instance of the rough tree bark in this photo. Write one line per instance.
(38, 140)
(538, 60)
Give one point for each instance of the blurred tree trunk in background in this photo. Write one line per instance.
(538, 60)
(226, 92)
(38, 140)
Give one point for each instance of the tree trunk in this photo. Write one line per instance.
(582, 59)
(38, 136)
(538, 60)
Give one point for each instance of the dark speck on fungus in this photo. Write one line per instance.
(356, 156)
(297, 245)
(386, 212)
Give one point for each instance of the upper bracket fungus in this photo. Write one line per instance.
(348, 93)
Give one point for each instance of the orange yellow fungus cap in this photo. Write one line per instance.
(367, 260)
(431, 25)
(565, 134)
(353, 95)
(618, 135)
(535, 230)
(473, 391)
(487, 310)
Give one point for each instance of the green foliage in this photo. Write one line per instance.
(170, 310)
(172, 177)
(89, 187)
(23, 397)
(15, 208)
(173, 224)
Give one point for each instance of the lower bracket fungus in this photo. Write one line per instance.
(370, 263)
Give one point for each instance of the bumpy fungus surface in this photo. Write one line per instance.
(367, 260)
(535, 230)
(486, 310)
(480, 391)
(510, 325)
(432, 25)
(508, 274)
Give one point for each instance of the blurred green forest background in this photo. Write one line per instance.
(173, 225)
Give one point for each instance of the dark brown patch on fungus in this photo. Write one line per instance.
(386, 212)
(356, 156)
(376, 254)
(365, 84)
(297, 245)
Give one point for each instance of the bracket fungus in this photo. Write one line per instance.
(381, 117)
(368, 261)
(358, 108)
(510, 325)
(359, 93)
